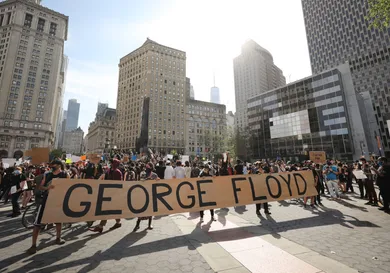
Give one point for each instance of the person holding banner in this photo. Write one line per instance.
(150, 175)
(46, 186)
(113, 174)
(206, 172)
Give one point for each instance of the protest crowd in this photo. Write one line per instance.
(26, 183)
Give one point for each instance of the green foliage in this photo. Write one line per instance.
(57, 153)
(379, 13)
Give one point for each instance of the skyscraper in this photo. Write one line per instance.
(254, 73)
(72, 118)
(31, 51)
(338, 32)
(157, 72)
(214, 95)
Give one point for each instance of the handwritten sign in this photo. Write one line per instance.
(317, 157)
(359, 174)
(90, 200)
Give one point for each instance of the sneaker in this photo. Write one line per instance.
(213, 219)
(150, 227)
(96, 229)
(320, 204)
(136, 228)
(375, 205)
(59, 241)
(368, 203)
(32, 250)
(117, 225)
(267, 212)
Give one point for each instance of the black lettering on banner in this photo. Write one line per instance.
(130, 205)
(160, 196)
(296, 183)
(269, 188)
(254, 197)
(65, 205)
(101, 199)
(288, 182)
(200, 193)
(191, 197)
(235, 189)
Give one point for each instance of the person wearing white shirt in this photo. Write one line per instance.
(169, 171)
(187, 169)
(180, 172)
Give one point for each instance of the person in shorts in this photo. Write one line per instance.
(46, 186)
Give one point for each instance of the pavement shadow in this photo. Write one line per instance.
(240, 209)
(351, 206)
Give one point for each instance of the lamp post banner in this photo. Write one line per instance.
(79, 200)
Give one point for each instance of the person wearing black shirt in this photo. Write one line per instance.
(17, 179)
(265, 169)
(239, 168)
(206, 172)
(45, 186)
(383, 182)
(160, 169)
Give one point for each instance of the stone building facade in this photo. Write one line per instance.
(31, 82)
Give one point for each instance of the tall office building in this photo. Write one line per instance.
(157, 72)
(338, 32)
(254, 74)
(61, 91)
(72, 118)
(214, 95)
(31, 52)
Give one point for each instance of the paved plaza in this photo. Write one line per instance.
(340, 237)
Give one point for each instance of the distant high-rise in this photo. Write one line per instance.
(214, 95)
(31, 48)
(157, 72)
(101, 107)
(254, 74)
(72, 118)
(338, 32)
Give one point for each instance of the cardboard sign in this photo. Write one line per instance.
(39, 155)
(359, 174)
(89, 200)
(317, 157)
(94, 158)
(9, 161)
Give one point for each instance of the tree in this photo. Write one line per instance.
(379, 13)
(57, 153)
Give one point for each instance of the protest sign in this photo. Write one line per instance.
(185, 158)
(39, 155)
(83, 157)
(317, 157)
(169, 156)
(94, 158)
(89, 200)
(9, 161)
(359, 174)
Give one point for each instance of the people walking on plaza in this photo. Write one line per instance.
(369, 184)
(263, 169)
(331, 172)
(206, 173)
(383, 182)
(349, 176)
(150, 175)
(45, 187)
(18, 181)
(113, 174)
(360, 182)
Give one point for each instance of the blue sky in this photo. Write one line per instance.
(211, 32)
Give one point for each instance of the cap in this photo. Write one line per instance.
(56, 162)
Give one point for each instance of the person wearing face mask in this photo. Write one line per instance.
(17, 181)
(150, 175)
(45, 187)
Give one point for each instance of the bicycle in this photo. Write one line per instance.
(30, 214)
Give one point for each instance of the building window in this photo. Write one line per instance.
(41, 25)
